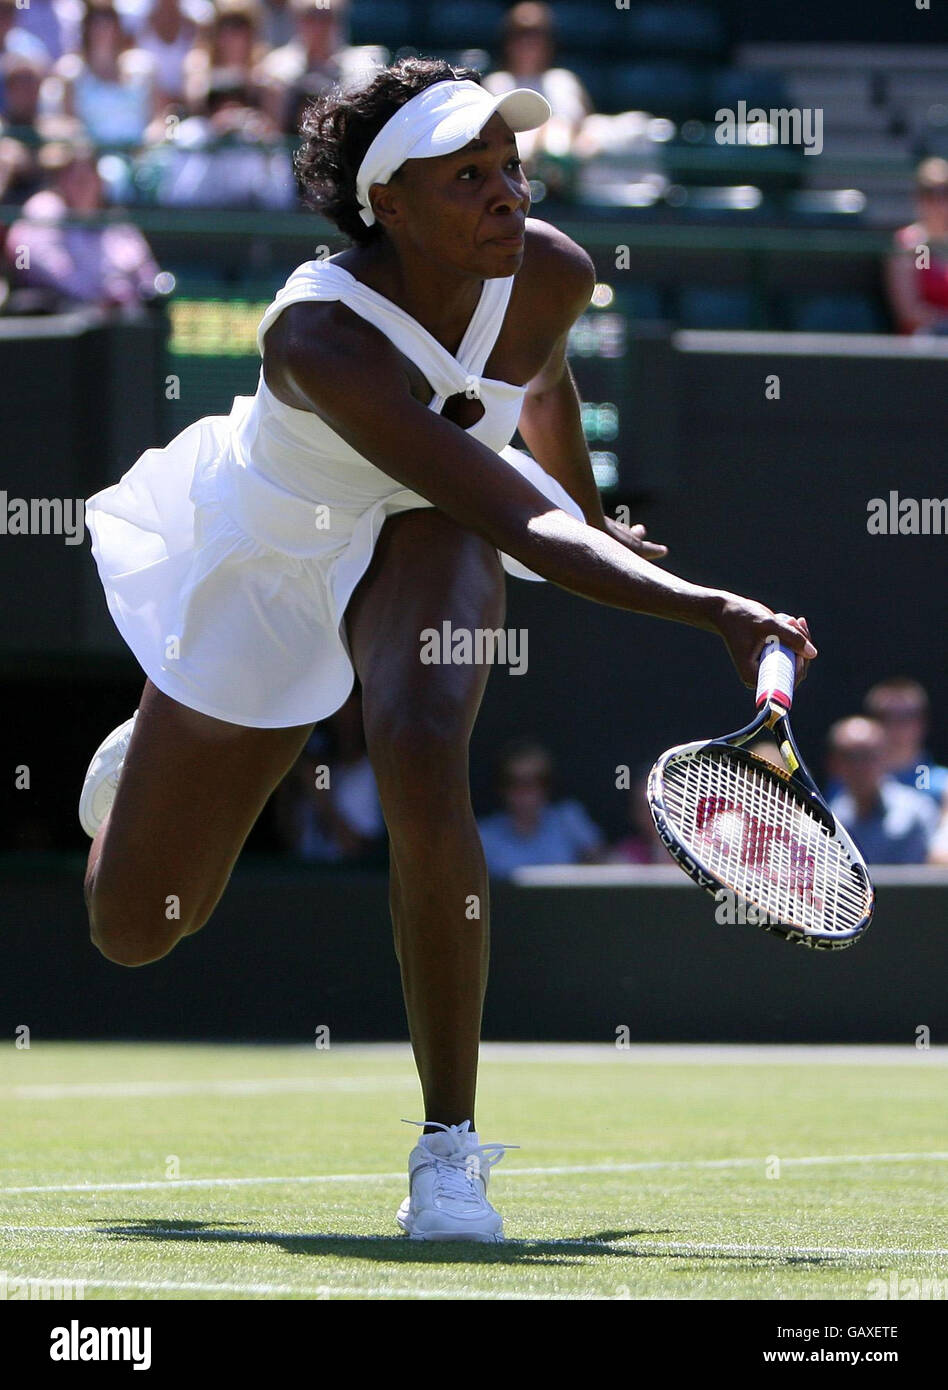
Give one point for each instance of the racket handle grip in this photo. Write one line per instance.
(776, 675)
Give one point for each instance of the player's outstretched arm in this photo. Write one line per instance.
(350, 375)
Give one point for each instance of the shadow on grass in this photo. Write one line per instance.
(386, 1249)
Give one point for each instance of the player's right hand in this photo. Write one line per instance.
(745, 626)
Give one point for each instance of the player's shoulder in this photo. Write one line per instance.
(319, 322)
(316, 327)
(565, 269)
(316, 346)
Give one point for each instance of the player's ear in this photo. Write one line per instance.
(386, 204)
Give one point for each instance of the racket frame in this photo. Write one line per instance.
(772, 717)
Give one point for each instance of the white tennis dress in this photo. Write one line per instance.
(228, 557)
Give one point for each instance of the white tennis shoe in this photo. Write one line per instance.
(447, 1183)
(98, 790)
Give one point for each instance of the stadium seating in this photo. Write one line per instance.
(884, 106)
(465, 22)
(826, 207)
(669, 89)
(585, 28)
(835, 313)
(715, 306)
(676, 31)
(387, 22)
(762, 88)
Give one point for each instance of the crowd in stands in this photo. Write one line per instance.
(880, 780)
(181, 104)
(195, 104)
(202, 99)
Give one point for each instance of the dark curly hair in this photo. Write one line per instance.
(338, 127)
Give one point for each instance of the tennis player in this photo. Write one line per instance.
(368, 491)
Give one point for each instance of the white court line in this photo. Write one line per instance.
(843, 1251)
(578, 1243)
(809, 1159)
(707, 1054)
(578, 1168)
(303, 1291)
(569, 1054)
(123, 1090)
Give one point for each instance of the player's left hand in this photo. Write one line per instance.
(633, 537)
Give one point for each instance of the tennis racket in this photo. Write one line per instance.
(739, 825)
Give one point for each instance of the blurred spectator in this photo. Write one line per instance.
(232, 43)
(44, 19)
(328, 807)
(643, 845)
(22, 79)
(900, 705)
(532, 829)
(168, 35)
(230, 156)
(107, 265)
(917, 271)
(16, 37)
(12, 156)
(527, 47)
(277, 23)
(19, 172)
(109, 85)
(890, 824)
(15, 162)
(314, 59)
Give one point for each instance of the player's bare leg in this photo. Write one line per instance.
(189, 793)
(418, 721)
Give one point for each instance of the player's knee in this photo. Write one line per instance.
(131, 948)
(420, 749)
(124, 943)
(127, 933)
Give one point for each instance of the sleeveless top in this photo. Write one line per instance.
(228, 557)
(300, 452)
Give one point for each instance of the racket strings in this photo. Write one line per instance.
(768, 846)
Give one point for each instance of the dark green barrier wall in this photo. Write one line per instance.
(81, 400)
(768, 497)
(291, 950)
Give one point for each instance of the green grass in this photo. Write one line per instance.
(681, 1229)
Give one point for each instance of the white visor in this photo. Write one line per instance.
(441, 119)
